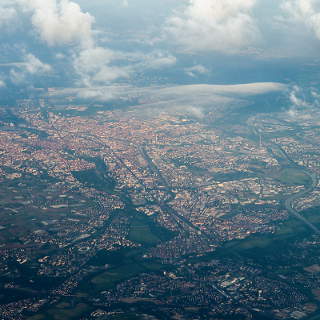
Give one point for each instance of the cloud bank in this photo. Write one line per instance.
(7, 15)
(60, 22)
(305, 12)
(63, 24)
(195, 100)
(203, 97)
(215, 25)
(196, 36)
(31, 66)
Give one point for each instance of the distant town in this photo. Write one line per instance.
(125, 214)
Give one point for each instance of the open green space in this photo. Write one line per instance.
(316, 317)
(121, 265)
(94, 179)
(312, 215)
(126, 263)
(286, 233)
(37, 317)
(292, 176)
(260, 245)
(145, 230)
(108, 280)
(131, 268)
(127, 316)
(142, 231)
(232, 176)
(63, 311)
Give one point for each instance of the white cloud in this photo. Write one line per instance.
(160, 60)
(94, 66)
(215, 25)
(90, 60)
(248, 89)
(199, 100)
(303, 98)
(60, 56)
(306, 12)
(31, 66)
(196, 70)
(155, 60)
(304, 103)
(125, 3)
(194, 100)
(17, 76)
(7, 15)
(101, 93)
(2, 83)
(60, 22)
(63, 23)
(295, 100)
(201, 93)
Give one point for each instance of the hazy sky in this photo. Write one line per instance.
(95, 43)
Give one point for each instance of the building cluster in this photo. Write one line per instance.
(71, 183)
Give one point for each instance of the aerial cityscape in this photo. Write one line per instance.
(145, 180)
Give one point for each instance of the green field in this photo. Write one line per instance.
(63, 311)
(127, 263)
(141, 231)
(146, 231)
(108, 280)
(132, 268)
(288, 231)
(123, 264)
(291, 176)
(316, 317)
(127, 316)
